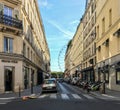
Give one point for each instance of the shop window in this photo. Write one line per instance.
(118, 77)
(107, 77)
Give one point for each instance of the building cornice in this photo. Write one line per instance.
(15, 2)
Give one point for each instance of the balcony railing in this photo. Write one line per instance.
(10, 21)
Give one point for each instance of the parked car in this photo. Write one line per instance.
(49, 85)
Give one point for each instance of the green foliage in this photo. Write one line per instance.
(57, 74)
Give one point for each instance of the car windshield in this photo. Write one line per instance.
(49, 82)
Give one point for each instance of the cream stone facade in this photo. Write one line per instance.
(101, 43)
(89, 45)
(74, 56)
(24, 52)
(108, 42)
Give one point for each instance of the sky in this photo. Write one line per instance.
(60, 19)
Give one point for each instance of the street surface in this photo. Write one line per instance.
(68, 97)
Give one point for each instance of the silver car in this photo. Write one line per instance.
(49, 85)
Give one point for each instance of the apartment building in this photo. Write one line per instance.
(108, 42)
(24, 53)
(89, 45)
(74, 56)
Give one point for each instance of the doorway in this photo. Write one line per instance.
(8, 78)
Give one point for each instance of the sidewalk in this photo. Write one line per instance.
(108, 93)
(26, 92)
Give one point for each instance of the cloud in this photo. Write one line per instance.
(74, 22)
(67, 33)
(44, 3)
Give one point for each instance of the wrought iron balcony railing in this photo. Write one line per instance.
(10, 21)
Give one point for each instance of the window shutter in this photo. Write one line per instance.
(16, 13)
(1, 8)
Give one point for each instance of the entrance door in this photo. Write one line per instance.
(26, 78)
(8, 78)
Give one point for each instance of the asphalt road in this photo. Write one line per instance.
(68, 98)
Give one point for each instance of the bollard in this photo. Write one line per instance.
(19, 91)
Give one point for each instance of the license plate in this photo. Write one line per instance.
(49, 87)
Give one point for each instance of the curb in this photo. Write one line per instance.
(106, 96)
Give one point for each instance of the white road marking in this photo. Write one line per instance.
(53, 96)
(3, 103)
(7, 98)
(64, 96)
(87, 96)
(76, 96)
(63, 89)
(43, 96)
(109, 96)
(118, 103)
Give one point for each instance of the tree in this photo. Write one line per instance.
(57, 74)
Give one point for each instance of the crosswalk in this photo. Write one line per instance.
(5, 101)
(67, 96)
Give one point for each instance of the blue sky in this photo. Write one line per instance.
(60, 19)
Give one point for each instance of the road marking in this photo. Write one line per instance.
(43, 96)
(53, 96)
(109, 96)
(3, 103)
(64, 90)
(118, 103)
(76, 96)
(87, 96)
(7, 98)
(64, 96)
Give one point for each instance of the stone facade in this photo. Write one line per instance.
(101, 43)
(24, 53)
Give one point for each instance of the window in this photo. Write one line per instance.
(110, 17)
(28, 10)
(118, 77)
(103, 25)
(28, 52)
(97, 31)
(31, 56)
(8, 45)
(92, 8)
(7, 11)
(24, 49)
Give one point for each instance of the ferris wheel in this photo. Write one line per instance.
(61, 58)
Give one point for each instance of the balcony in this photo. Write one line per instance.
(10, 24)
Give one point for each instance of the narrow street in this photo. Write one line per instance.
(68, 97)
